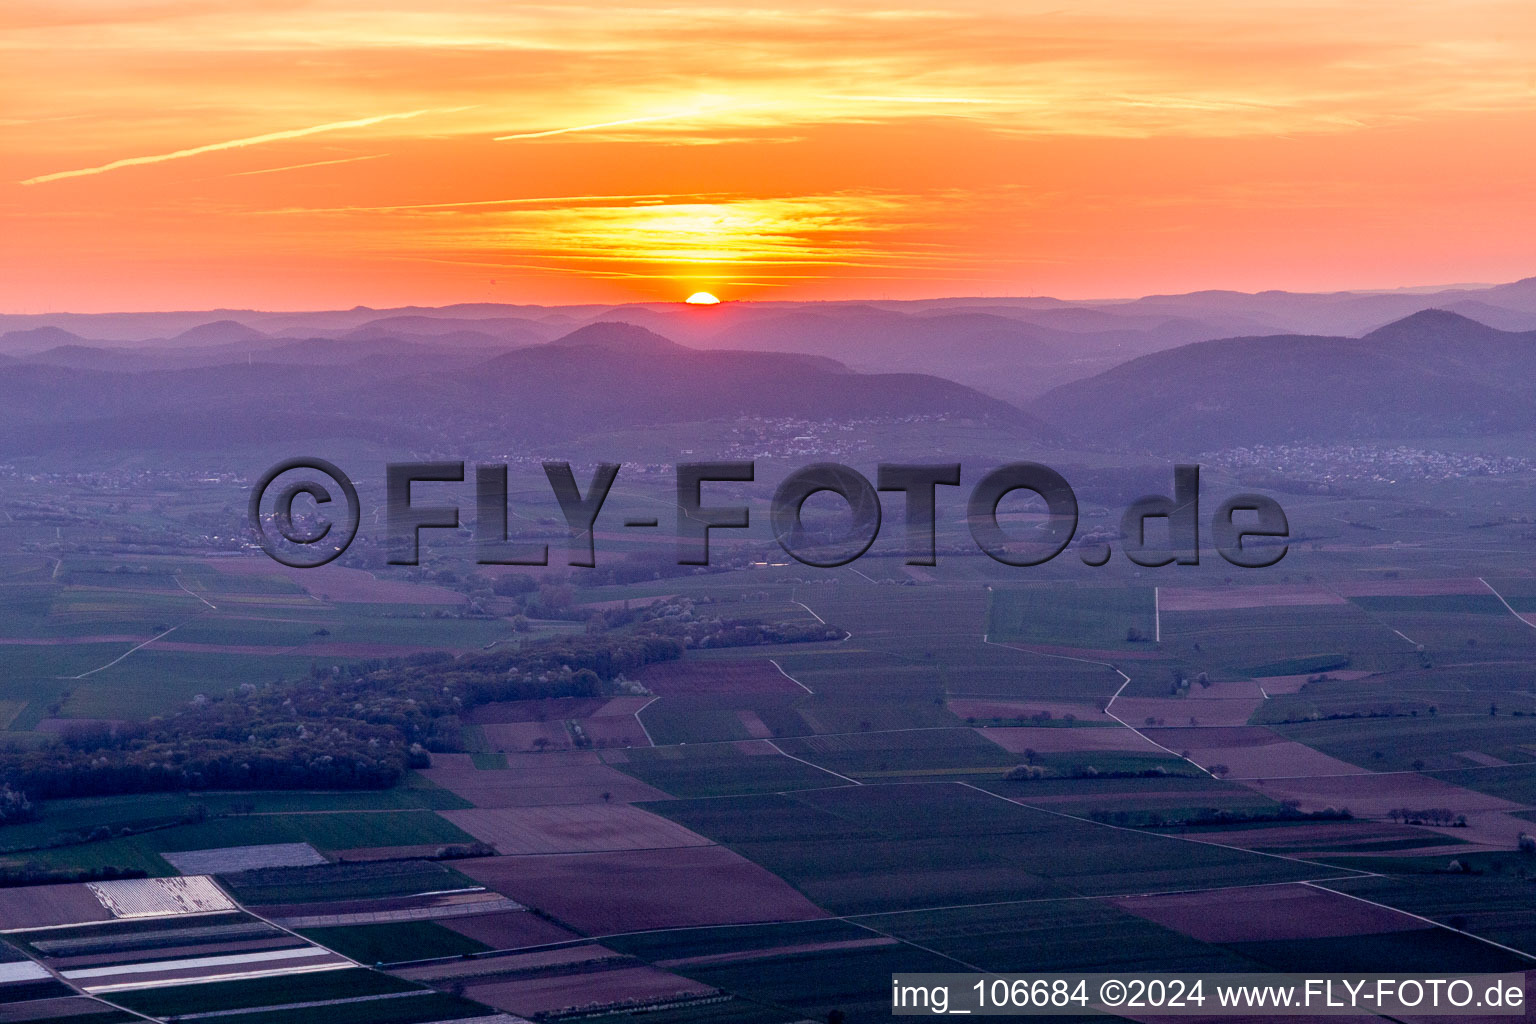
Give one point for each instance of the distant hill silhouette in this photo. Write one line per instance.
(597, 379)
(501, 331)
(38, 339)
(618, 336)
(1433, 373)
(219, 332)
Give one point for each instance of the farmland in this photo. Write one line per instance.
(722, 769)
(877, 848)
(338, 831)
(620, 817)
(166, 948)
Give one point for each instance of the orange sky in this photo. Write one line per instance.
(298, 154)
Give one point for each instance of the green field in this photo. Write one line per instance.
(881, 848)
(876, 754)
(426, 1008)
(138, 810)
(729, 1011)
(857, 982)
(697, 942)
(1516, 783)
(1090, 617)
(258, 629)
(1395, 744)
(258, 992)
(1282, 640)
(105, 1017)
(324, 830)
(354, 881)
(1494, 906)
(1058, 935)
(719, 769)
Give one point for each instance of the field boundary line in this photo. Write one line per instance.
(247, 976)
(1506, 604)
(985, 638)
(1157, 616)
(1143, 735)
(855, 918)
(786, 675)
(305, 1006)
(1363, 772)
(79, 992)
(818, 767)
(641, 722)
(847, 634)
(120, 657)
(274, 924)
(1421, 917)
(802, 604)
(200, 597)
(917, 945)
(1089, 898)
(1357, 873)
(1373, 616)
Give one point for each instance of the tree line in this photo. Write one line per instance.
(364, 725)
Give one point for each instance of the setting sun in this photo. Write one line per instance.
(702, 299)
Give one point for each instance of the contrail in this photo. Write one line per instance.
(254, 140)
(608, 124)
(300, 167)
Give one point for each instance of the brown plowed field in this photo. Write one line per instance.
(1220, 599)
(1267, 912)
(573, 828)
(508, 930)
(1177, 711)
(40, 906)
(529, 996)
(983, 708)
(707, 885)
(1067, 740)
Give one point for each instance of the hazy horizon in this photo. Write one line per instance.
(1426, 288)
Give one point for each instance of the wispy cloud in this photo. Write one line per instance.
(913, 99)
(254, 140)
(672, 116)
(637, 199)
